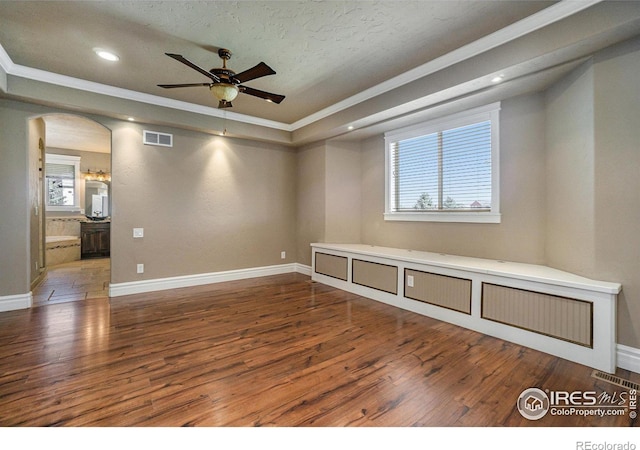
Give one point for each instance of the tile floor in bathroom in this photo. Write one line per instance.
(73, 281)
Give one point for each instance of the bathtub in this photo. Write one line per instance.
(62, 249)
(61, 239)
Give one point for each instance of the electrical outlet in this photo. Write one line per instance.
(410, 280)
(140, 268)
(283, 255)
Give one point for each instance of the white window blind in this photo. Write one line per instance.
(61, 174)
(60, 171)
(447, 167)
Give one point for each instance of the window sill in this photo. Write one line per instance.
(453, 217)
(73, 209)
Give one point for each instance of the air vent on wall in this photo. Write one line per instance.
(155, 138)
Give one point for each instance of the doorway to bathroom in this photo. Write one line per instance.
(70, 227)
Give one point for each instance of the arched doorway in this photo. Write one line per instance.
(70, 223)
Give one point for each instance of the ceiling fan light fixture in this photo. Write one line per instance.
(226, 84)
(224, 91)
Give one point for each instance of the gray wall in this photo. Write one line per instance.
(14, 199)
(617, 180)
(520, 236)
(343, 196)
(207, 204)
(570, 158)
(593, 177)
(36, 206)
(328, 195)
(310, 200)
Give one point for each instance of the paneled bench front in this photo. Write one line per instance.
(556, 312)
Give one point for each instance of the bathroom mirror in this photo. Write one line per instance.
(96, 198)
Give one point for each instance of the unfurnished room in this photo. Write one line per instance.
(321, 215)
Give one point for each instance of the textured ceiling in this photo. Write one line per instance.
(323, 51)
(77, 133)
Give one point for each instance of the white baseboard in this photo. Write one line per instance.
(20, 301)
(303, 269)
(628, 358)
(160, 284)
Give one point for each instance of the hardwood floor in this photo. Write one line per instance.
(272, 351)
(73, 281)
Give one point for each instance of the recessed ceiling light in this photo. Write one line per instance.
(497, 79)
(106, 54)
(131, 119)
(350, 127)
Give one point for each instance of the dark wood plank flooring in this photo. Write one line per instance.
(270, 351)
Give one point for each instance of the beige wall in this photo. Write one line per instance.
(569, 144)
(328, 195)
(593, 177)
(617, 180)
(520, 236)
(36, 208)
(14, 199)
(343, 197)
(310, 200)
(207, 204)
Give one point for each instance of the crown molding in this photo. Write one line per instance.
(98, 88)
(5, 65)
(511, 32)
(5, 60)
(547, 16)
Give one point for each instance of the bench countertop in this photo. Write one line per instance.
(530, 272)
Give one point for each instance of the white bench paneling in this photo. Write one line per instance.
(601, 296)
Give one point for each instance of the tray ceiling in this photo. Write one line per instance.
(323, 51)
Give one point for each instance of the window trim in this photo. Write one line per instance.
(52, 158)
(474, 115)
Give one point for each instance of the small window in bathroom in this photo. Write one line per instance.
(62, 175)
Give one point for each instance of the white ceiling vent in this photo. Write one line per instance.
(155, 138)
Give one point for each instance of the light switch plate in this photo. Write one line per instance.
(138, 232)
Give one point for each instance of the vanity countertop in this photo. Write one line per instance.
(77, 219)
(87, 220)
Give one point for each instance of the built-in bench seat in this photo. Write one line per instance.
(550, 310)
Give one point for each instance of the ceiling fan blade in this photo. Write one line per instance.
(261, 70)
(275, 98)
(170, 86)
(184, 60)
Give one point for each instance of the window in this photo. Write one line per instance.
(445, 170)
(62, 174)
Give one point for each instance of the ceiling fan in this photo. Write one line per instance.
(225, 84)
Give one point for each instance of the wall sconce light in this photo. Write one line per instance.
(97, 176)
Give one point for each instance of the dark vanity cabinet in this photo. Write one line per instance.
(95, 237)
